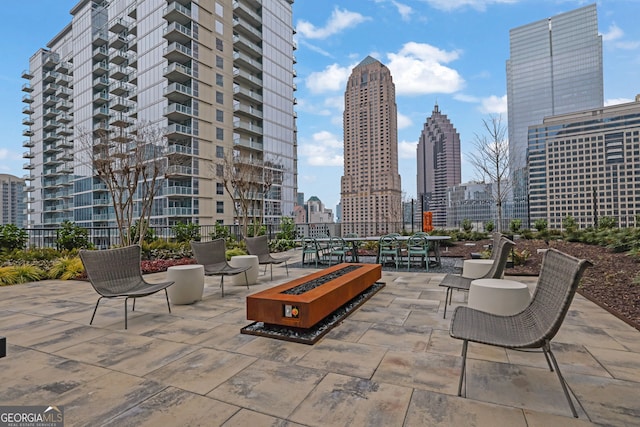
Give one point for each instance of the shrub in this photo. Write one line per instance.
(287, 229)
(520, 257)
(66, 268)
(14, 274)
(235, 252)
(540, 224)
(489, 226)
(149, 234)
(569, 224)
(72, 236)
(467, 225)
(220, 232)
(281, 245)
(12, 237)
(254, 230)
(607, 222)
(515, 225)
(186, 232)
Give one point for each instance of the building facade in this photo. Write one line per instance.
(586, 165)
(473, 201)
(14, 201)
(370, 187)
(438, 164)
(555, 67)
(215, 77)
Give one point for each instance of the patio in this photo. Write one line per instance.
(390, 363)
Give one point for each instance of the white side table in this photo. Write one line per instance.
(189, 283)
(245, 261)
(498, 296)
(476, 268)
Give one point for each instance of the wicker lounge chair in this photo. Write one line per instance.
(115, 273)
(535, 326)
(259, 246)
(212, 255)
(454, 281)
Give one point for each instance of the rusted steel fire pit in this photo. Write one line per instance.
(310, 305)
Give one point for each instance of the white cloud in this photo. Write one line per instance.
(404, 121)
(494, 105)
(417, 70)
(325, 149)
(449, 5)
(614, 33)
(339, 20)
(332, 78)
(466, 98)
(407, 149)
(616, 101)
(404, 10)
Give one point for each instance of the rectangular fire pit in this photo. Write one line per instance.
(303, 302)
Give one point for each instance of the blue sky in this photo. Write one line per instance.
(452, 52)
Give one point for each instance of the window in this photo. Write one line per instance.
(219, 115)
(219, 97)
(220, 207)
(219, 41)
(219, 152)
(219, 61)
(219, 188)
(219, 170)
(219, 80)
(219, 135)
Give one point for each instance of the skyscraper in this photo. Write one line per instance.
(438, 164)
(12, 194)
(555, 67)
(370, 187)
(216, 77)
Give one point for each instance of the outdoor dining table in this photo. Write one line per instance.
(355, 241)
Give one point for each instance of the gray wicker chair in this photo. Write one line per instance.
(115, 273)
(259, 246)
(454, 281)
(535, 326)
(213, 256)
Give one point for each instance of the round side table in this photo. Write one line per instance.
(476, 268)
(245, 261)
(498, 296)
(189, 283)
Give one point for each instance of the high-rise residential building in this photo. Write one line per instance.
(216, 77)
(586, 165)
(472, 201)
(438, 164)
(14, 197)
(370, 187)
(555, 67)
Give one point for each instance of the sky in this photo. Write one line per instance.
(446, 52)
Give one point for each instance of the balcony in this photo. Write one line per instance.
(65, 118)
(63, 79)
(177, 129)
(26, 74)
(246, 110)
(119, 41)
(177, 52)
(177, 149)
(100, 38)
(50, 59)
(242, 26)
(64, 144)
(101, 53)
(178, 191)
(121, 88)
(27, 88)
(245, 61)
(27, 143)
(177, 12)
(64, 105)
(178, 170)
(248, 143)
(247, 127)
(178, 92)
(100, 98)
(63, 92)
(49, 89)
(27, 110)
(119, 72)
(120, 103)
(178, 112)
(102, 201)
(178, 211)
(118, 25)
(176, 32)
(50, 125)
(50, 76)
(27, 98)
(28, 166)
(178, 72)
(247, 13)
(29, 177)
(101, 82)
(120, 56)
(247, 94)
(122, 120)
(49, 136)
(28, 155)
(245, 44)
(28, 132)
(64, 131)
(28, 121)
(101, 68)
(65, 67)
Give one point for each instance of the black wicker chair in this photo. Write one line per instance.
(454, 281)
(115, 273)
(213, 256)
(259, 246)
(535, 326)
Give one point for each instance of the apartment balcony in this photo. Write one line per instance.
(121, 88)
(49, 89)
(28, 166)
(99, 187)
(132, 11)
(27, 88)
(29, 177)
(50, 148)
(64, 131)
(249, 143)
(119, 72)
(27, 143)
(50, 125)
(178, 170)
(51, 161)
(100, 217)
(244, 43)
(178, 73)
(64, 105)
(63, 92)
(101, 53)
(122, 120)
(66, 157)
(101, 83)
(100, 98)
(50, 59)
(64, 67)
(119, 41)
(28, 155)
(27, 98)
(242, 126)
(177, 52)
(118, 25)
(28, 121)
(178, 149)
(178, 92)
(27, 211)
(28, 132)
(102, 201)
(120, 103)
(241, 9)
(50, 76)
(178, 112)
(246, 110)
(100, 38)
(29, 199)
(176, 12)
(28, 109)
(246, 94)
(178, 191)
(63, 79)
(101, 126)
(245, 61)
(242, 26)
(64, 144)
(49, 136)
(26, 74)
(247, 79)
(176, 130)
(176, 32)
(65, 118)
(178, 211)
(120, 56)
(101, 68)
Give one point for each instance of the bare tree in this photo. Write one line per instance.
(131, 162)
(491, 161)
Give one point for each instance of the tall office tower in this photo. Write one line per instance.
(370, 188)
(13, 194)
(216, 77)
(438, 164)
(555, 67)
